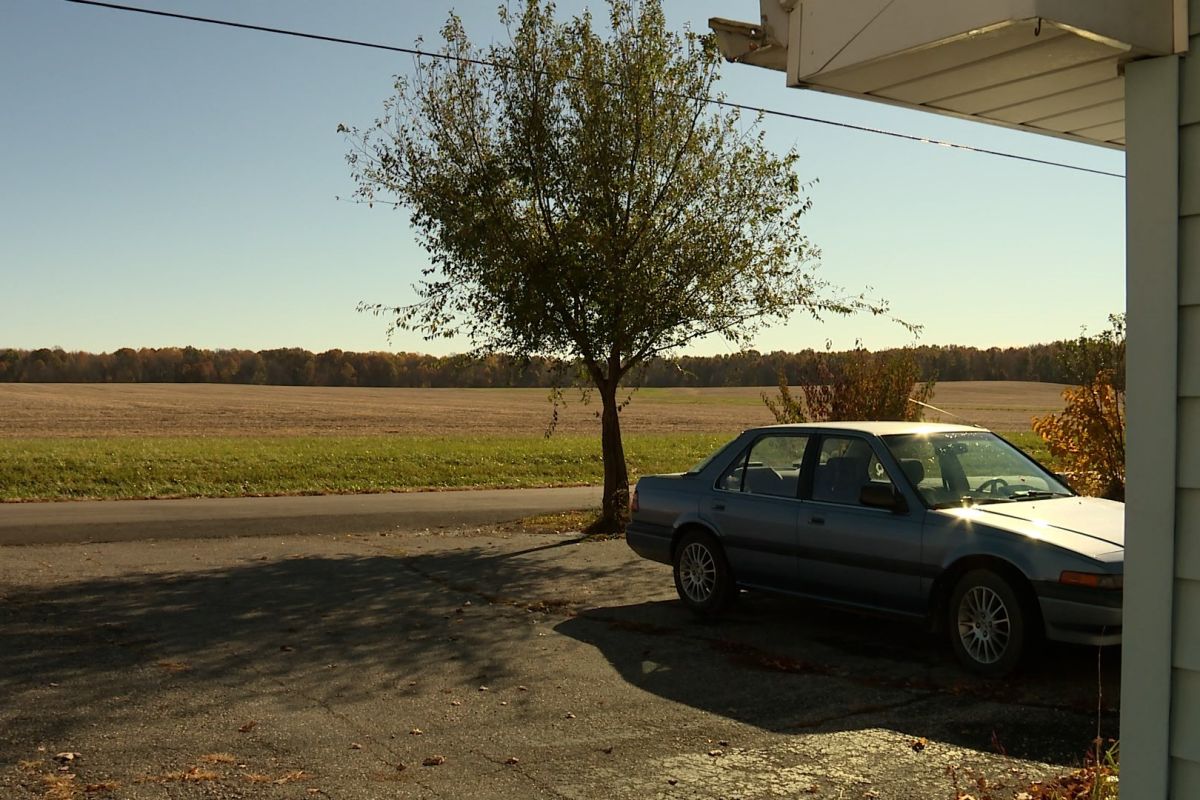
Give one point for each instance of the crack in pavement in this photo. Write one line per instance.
(520, 770)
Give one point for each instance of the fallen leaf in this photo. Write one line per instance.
(102, 786)
(298, 775)
(919, 744)
(218, 758)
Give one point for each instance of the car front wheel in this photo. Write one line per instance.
(987, 624)
(702, 575)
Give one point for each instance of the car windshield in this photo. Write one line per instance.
(969, 468)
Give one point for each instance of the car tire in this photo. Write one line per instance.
(987, 624)
(702, 576)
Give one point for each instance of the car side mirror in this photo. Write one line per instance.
(882, 495)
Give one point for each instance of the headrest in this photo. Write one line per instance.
(914, 469)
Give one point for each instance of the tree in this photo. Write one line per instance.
(861, 386)
(1088, 437)
(579, 198)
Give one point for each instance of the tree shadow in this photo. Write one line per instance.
(314, 629)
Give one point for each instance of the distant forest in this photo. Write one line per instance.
(295, 367)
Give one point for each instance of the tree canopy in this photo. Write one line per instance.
(580, 197)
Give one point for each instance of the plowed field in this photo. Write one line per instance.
(122, 410)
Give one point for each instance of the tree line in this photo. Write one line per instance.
(297, 367)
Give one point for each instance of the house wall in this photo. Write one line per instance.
(1160, 700)
(1185, 662)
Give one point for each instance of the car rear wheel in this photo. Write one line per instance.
(987, 624)
(702, 575)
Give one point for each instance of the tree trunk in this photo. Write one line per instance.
(615, 506)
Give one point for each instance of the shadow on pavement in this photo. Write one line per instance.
(336, 629)
(789, 665)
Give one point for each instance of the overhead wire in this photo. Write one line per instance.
(717, 101)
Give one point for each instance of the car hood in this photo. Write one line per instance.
(1087, 525)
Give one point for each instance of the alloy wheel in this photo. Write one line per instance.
(984, 625)
(697, 572)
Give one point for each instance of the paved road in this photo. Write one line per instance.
(129, 520)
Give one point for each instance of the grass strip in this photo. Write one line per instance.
(129, 468)
(1035, 446)
(120, 468)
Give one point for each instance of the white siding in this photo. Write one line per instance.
(1189, 252)
(1185, 689)
(1185, 728)
(1187, 618)
(1187, 553)
(1185, 773)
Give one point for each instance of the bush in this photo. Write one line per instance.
(1088, 437)
(863, 387)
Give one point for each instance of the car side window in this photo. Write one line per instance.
(772, 467)
(844, 466)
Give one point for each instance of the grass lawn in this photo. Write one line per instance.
(1034, 445)
(126, 468)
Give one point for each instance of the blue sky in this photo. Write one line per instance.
(170, 183)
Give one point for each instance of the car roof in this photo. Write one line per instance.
(876, 428)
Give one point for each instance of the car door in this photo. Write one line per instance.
(848, 551)
(755, 509)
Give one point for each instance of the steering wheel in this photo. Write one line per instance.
(992, 486)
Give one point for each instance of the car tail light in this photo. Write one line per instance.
(633, 500)
(1092, 580)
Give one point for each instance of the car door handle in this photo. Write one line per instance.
(817, 520)
(718, 506)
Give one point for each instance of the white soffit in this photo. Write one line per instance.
(1053, 66)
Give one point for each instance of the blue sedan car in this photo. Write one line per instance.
(948, 523)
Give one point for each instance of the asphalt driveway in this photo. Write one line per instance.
(514, 665)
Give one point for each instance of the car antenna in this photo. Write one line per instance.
(947, 413)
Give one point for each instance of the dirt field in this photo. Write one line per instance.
(75, 410)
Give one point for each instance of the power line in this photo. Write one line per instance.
(493, 65)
